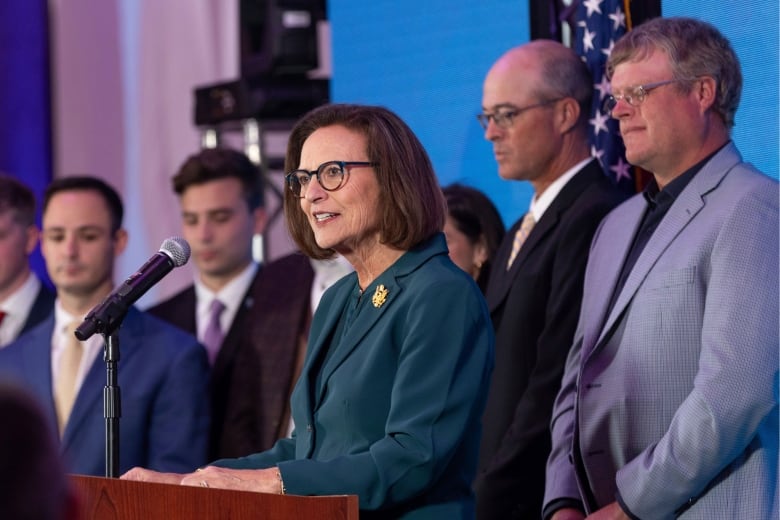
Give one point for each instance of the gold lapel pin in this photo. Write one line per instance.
(380, 295)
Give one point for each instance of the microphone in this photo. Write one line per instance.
(106, 316)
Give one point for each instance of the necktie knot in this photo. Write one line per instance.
(216, 307)
(520, 236)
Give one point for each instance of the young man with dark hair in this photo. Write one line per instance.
(162, 372)
(252, 318)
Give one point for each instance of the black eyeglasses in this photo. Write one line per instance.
(330, 175)
(634, 96)
(505, 116)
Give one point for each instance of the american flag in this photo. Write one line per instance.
(599, 24)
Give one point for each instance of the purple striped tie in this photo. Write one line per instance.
(213, 336)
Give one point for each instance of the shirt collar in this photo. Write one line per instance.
(540, 204)
(17, 308)
(655, 196)
(21, 301)
(62, 317)
(230, 295)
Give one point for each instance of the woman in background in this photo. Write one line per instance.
(473, 229)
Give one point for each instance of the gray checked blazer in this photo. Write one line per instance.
(670, 403)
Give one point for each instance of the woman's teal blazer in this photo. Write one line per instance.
(389, 402)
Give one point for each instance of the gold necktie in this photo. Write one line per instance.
(522, 233)
(67, 371)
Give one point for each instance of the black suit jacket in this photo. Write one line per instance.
(534, 307)
(252, 374)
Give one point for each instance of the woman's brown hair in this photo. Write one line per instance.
(412, 205)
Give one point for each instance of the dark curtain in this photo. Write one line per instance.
(25, 115)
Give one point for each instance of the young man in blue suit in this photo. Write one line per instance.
(162, 371)
(668, 406)
(24, 300)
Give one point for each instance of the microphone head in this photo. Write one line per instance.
(177, 249)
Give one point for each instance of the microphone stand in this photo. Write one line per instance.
(112, 402)
(106, 319)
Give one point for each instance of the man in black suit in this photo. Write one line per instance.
(263, 311)
(24, 300)
(535, 103)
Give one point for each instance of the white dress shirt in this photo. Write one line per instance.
(17, 308)
(540, 204)
(231, 295)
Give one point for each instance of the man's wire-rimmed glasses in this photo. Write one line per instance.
(504, 116)
(634, 96)
(330, 175)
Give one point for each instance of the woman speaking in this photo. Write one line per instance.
(389, 401)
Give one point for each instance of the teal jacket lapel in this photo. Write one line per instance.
(365, 320)
(329, 311)
(369, 314)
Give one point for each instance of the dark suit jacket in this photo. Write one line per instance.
(252, 374)
(534, 307)
(392, 414)
(163, 378)
(42, 307)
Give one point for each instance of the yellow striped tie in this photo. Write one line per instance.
(65, 386)
(522, 233)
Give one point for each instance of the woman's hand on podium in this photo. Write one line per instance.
(257, 480)
(147, 475)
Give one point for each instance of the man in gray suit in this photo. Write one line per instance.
(668, 405)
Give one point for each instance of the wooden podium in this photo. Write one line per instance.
(114, 499)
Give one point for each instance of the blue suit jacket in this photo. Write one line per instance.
(393, 415)
(670, 400)
(163, 376)
(42, 306)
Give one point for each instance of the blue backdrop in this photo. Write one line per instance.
(25, 135)
(426, 61)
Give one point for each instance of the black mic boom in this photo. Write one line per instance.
(174, 252)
